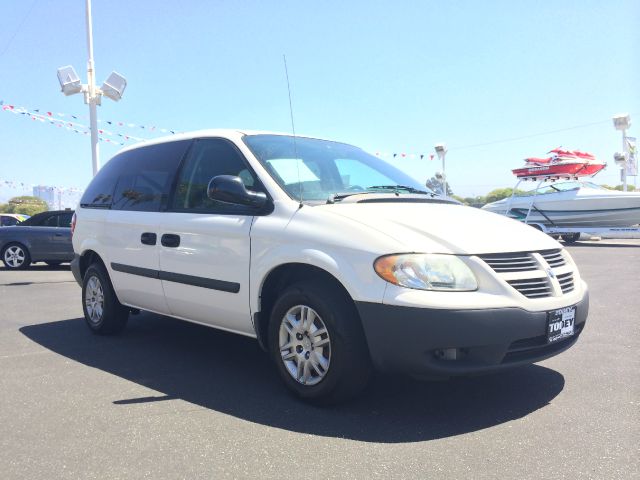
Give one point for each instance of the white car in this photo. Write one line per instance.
(334, 260)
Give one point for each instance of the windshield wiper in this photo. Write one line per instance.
(399, 189)
(394, 189)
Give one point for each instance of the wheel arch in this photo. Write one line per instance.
(278, 279)
(88, 257)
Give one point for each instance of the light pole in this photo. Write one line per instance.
(113, 88)
(623, 122)
(441, 150)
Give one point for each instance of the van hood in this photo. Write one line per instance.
(444, 228)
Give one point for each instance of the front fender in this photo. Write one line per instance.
(353, 269)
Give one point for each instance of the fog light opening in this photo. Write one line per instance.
(447, 353)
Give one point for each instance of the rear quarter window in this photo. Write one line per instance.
(138, 179)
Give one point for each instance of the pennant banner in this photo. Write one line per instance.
(111, 123)
(106, 134)
(38, 188)
(75, 127)
(414, 156)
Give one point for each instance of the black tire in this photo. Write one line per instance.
(349, 368)
(11, 261)
(571, 237)
(112, 317)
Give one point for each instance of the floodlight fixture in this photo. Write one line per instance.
(620, 159)
(441, 150)
(70, 83)
(622, 121)
(113, 87)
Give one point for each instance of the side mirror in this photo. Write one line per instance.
(230, 189)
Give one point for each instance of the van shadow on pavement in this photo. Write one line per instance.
(230, 374)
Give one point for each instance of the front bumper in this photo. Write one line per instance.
(411, 340)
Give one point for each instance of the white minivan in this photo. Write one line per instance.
(335, 261)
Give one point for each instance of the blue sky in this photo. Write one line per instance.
(393, 77)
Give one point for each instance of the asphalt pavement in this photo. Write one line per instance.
(169, 399)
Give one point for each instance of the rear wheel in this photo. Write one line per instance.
(317, 343)
(16, 256)
(103, 312)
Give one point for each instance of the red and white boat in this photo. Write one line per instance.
(560, 164)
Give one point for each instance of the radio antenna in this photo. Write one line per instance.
(293, 128)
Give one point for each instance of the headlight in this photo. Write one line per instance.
(426, 271)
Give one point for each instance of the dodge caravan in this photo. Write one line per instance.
(335, 261)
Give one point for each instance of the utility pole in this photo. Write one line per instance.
(441, 150)
(91, 96)
(113, 87)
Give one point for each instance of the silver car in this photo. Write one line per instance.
(45, 237)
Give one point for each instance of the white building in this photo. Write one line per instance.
(48, 194)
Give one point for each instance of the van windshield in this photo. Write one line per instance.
(313, 170)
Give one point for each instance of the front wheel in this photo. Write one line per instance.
(16, 256)
(317, 343)
(103, 312)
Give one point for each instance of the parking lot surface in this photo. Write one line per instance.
(169, 399)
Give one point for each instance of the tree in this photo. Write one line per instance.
(476, 201)
(630, 188)
(27, 205)
(499, 194)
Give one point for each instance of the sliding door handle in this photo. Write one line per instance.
(170, 240)
(148, 238)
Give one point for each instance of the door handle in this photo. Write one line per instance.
(58, 235)
(170, 240)
(148, 238)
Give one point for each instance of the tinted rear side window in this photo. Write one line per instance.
(64, 219)
(139, 179)
(52, 221)
(8, 221)
(99, 193)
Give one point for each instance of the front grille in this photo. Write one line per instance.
(566, 282)
(532, 287)
(554, 258)
(510, 262)
(531, 273)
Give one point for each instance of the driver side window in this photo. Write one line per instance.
(209, 158)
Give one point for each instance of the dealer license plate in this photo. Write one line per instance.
(561, 324)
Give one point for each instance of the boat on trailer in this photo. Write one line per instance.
(562, 204)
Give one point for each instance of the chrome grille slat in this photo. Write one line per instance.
(566, 282)
(515, 264)
(510, 262)
(554, 258)
(532, 287)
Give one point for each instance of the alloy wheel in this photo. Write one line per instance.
(94, 300)
(305, 346)
(14, 256)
